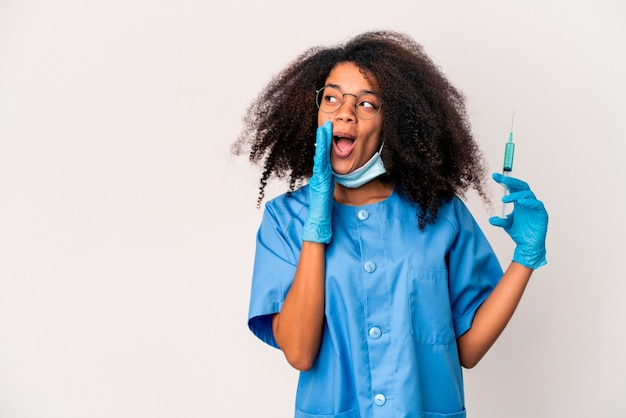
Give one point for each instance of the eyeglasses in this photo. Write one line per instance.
(330, 99)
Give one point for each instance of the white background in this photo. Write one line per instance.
(127, 228)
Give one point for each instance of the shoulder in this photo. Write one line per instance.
(284, 208)
(294, 200)
(455, 212)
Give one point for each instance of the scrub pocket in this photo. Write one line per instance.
(353, 413)
(429, 300)
(436, 415)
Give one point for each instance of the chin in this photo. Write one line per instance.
(341, 167)
(340, 170)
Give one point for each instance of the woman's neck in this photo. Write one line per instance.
(371, 192)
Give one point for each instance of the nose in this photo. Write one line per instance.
(347, 110)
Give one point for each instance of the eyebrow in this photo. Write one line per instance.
(361, 92)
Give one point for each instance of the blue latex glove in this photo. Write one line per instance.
(318, 224)
(527, 224)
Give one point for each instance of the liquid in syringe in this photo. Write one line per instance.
(507, 166)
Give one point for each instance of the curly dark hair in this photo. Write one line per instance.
(430, 153)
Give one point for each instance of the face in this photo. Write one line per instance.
(355, 140)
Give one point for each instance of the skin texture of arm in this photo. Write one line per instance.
(299, 325)
(493, 315)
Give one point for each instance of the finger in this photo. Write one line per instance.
(321, 159)
(518, 196)
(532, 203)
(323, 138)
(501, 222)
(511, 183)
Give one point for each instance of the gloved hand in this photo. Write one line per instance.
(318, 224)
(527, 224)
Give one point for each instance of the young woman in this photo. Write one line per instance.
(373, 278)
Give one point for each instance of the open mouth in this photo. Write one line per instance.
(343, 144)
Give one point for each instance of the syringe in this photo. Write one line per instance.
(507, 166)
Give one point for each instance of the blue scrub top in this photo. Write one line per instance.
(397, 298)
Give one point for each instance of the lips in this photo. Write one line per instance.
(343, 144)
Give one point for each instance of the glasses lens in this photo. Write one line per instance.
(367, 105)
(330, 99)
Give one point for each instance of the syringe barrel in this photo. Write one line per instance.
(509, 150)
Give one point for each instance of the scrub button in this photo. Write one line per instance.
(375, 332)
(379, 399)
(369, 266)
(363, 214)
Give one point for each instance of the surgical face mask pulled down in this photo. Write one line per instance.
(368, 171)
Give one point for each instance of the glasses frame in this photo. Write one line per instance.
(343, 99)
